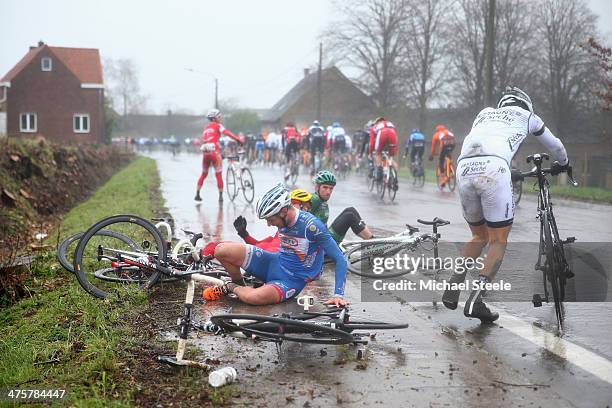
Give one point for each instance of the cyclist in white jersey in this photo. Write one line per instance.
(485, 185)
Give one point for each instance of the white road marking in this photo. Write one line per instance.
(579, 356)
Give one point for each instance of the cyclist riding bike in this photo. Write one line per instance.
(325, 182)
(300, 199)
(291, 141)
(304, 241)
(416, 144)
(445, 139)
(485, 186)
(382, 137)
(337, 139)
(316, 135)
(260, 144)
(212, 151)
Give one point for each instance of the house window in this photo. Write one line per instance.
(81, 123)
(27, 122)
(46, 64)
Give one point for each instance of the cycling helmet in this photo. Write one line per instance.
(370, 123)
(213, 113)
(273, 201)
(316, 123)
(290, 124)
(324, 177)
(336, 124)
(416, 131)
(513, 96)
(378, 119)
(301, 195)
(440, 128)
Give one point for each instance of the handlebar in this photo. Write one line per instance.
(554, 170)
(436, 221)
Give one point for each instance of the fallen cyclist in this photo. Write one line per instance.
(304, 240)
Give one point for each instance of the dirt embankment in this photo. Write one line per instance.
(41, 181)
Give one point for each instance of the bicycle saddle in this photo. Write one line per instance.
(436, 221)
(412, 229)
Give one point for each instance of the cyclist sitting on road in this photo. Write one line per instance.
(446, 140)
(416, 143)
(212, 151)
(485, 186)
(382, 137)
(325, 182)
(304, 241)
(316, 135)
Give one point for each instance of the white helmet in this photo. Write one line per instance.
(213, 113)
(513, 96)
(273, 201)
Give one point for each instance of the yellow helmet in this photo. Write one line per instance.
(301, 195)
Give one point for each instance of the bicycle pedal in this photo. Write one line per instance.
(537, 300)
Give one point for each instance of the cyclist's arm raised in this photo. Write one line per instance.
(548, 139)
(230, 134)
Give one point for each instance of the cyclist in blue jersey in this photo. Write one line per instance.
(416, 143)
(304, 240)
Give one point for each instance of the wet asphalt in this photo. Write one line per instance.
(442, 358)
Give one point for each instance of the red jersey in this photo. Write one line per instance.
(382, 130)
(270, 244)
(291, 133)
(211, 134)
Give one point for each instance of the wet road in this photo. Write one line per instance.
(443, 358)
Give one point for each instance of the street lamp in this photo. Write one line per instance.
(216, 83)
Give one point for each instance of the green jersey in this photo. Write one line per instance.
(319, 208)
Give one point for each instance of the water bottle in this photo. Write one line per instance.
(223, 376)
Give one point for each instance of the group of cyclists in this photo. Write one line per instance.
(291, 258)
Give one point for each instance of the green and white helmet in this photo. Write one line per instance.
(274, 200)
(325, 177)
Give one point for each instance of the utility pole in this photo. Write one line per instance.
(489, 53)
(216, 93)
(319, 82)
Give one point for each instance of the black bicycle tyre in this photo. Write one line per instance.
(249, 185)
(451, 182)
(552, 271)
(371, 181)
(372, 325)
(104, 223)
(357, 270)
(231, 194)
(265, 327)
(517, 191)
(63, 246)
(393, 180)
(380, 187)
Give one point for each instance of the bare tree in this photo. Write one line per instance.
(369, 38)
(124, 87)
(426, 37)
(564, 26)
(603, 57)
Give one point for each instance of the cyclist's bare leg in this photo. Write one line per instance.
(480, 237)
(231, 255)
(365, 233)
(263, 295)
(498, 239)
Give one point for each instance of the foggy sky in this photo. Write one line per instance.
(257, 49)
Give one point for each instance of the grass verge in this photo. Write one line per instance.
(61, 337)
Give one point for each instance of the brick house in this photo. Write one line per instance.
(55, 92)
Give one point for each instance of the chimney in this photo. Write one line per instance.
(306, 72)
(40, 44)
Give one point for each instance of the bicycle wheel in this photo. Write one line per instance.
(360, 258)
(393, 183)
(66, 246)
(553, 267)
(248, 185)
(230, 183)
(371, 181)
(351, 325)
(96, 252)
(281, 329)
(451, 180)
(517, 191)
